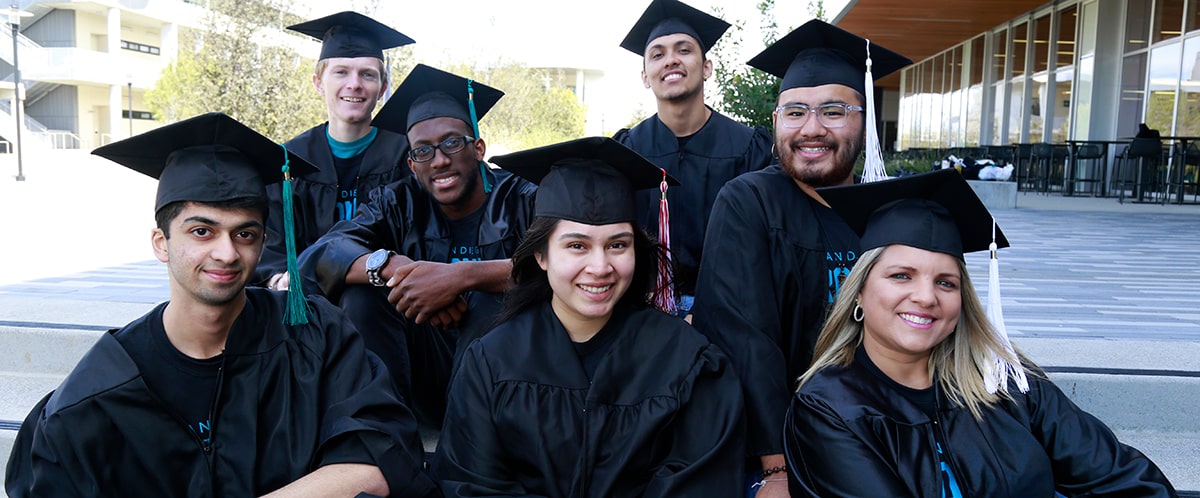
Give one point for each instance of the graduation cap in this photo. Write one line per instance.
(818, 53)
(937, 212)
(589, 180)
(592, 181)
(668, 17)
(429, 93)
(214, 158)
(350, 34)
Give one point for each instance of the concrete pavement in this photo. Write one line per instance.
(1103, 295)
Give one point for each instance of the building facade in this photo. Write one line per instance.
(85, 66)
(1067, 70)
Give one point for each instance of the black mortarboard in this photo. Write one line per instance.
(350, 34)
(208, 158)
(935, 211)
(429, 93)
(818, 53)
(213, 158)
(668, 17)
(588, 180)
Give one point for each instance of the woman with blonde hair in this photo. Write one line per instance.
(913, 391)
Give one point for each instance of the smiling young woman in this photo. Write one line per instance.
(913, 392)
(590, 390)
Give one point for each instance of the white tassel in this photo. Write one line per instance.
(1001, 369)
(873, 169)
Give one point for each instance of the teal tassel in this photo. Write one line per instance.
(483, 168)
(297, 304)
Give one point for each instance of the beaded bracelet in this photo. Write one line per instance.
(773, 470)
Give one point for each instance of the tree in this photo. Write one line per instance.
(231, 67)
(747, 94)
(538, 108)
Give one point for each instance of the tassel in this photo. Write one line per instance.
(664, 292)
(297, 304)
(483, 168)
(873, 169)
(1002, 370)
(387, 70)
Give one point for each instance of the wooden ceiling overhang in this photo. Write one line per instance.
(919, 29)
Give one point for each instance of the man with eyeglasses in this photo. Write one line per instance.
(352, 157)
(775, 253)
(699, 146)
(421, 269)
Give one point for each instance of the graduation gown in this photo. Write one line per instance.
(404, 218)
(315, 196)
(762, 292)
(851, 433)
(720, 151)
(660, 417)
(289, 399)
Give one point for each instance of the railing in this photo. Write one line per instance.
(61, 139)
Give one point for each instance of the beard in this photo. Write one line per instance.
(825, 172)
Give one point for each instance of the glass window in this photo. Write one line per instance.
(1137, 25)
(1191, 18)
(1081, 88)
(1020, 39)
(1187, 120)
(1041, 43)
(1063, 75)
(1168, 20)
(1164, 77)
(1016, 116)
(1133, 94)
(999, 48)
(974, 104)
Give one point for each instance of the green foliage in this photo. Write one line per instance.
(747, 94)
(221, 68)
(538, 107)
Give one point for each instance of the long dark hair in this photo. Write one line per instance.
(531, 286)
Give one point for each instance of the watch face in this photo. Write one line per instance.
(378, 259)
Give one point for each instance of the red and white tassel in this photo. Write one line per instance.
(664, 295)
(873, 168)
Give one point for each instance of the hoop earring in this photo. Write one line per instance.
(858, 313)
(774, 154)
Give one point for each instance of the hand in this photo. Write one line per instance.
(450, 316)
(774, 488)
(423, 288)
(278, 281)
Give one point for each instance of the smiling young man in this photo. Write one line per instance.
(223, 390)
(352, 156)
(770, 229)
(699, 146)
(422, 267)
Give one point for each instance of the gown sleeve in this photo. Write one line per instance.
(329, 258)
(1086, 455)
(707, 445)
(35, 467)
(364, 420)
(736, 303)
(825, 458)
(471, 461)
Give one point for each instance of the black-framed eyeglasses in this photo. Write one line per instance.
(452, 145)
(831, 115)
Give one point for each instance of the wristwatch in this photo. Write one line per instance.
(375, 262)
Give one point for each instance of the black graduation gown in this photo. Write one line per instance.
(315, 196)
(289, 399)
(661, 416)
(404, 218)
(720, 151)
(849, 433)
(762, 292)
